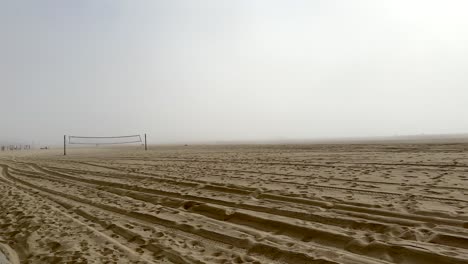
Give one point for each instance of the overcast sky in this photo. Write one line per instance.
(213, 70)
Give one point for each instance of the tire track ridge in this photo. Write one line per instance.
(207, 210)
(6, 178)
(318, 186)
(323, 204)
(206, 233)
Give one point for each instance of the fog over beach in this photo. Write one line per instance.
(222, 70)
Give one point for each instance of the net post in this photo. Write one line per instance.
(64, 145)
(146, 146)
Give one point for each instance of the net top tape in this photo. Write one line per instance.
(116, 143)
(106, 137)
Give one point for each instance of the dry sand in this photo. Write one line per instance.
(322, 203)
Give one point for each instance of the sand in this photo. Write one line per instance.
(318, 203)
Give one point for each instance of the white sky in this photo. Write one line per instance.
(212, 70)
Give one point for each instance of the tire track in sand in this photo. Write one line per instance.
(218, 213)
(368, 212)
(264, 249)
(6, 179)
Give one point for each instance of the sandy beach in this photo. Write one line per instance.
(317, 203)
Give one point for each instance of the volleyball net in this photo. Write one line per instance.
(114, 140)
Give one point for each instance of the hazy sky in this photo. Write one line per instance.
(232, 70)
